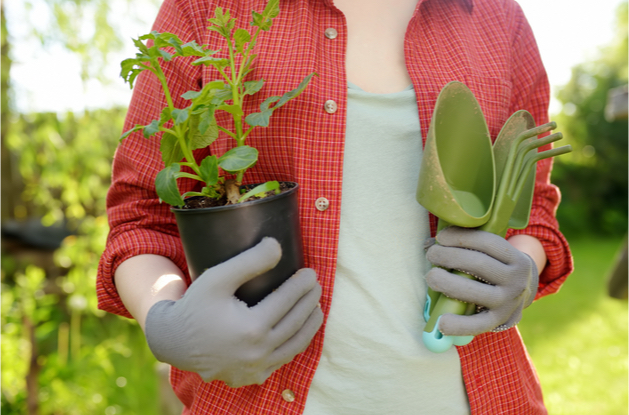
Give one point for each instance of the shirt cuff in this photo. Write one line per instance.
(128, 244)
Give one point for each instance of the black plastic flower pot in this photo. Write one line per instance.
(213, 235)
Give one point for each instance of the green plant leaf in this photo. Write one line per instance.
(180, 116)
(165, 55)
(260, 21)
(140, 45)
(263, 118)
(209, 170)
(201, 99)
(232, 109)
(130, 77)
(166, 185)
(222, 22)
(130, 69)
(152, 35)
(248, 64)
(191, 194)
(221, 95)
(259, 119)
(238, 158)
(175, 42)
(216, 85)
(204, 129)
(209, 191)
(197, 109)
(295, 92)
(272, 9)
(251, 87)
(191, 95)
(260, 190)
(218, 29)
(241, 37)
(207, 94)
(138, 127)
(193, 49)
(207, 121)
(166, 39)
(267, 102)
(170, 149)
(210, 60)
(165, 116)
(221, 17)
(151, 129)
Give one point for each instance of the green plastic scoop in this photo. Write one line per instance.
(458, 178)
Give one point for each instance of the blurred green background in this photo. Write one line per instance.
(60, 355)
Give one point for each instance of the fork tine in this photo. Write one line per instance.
(508, 174)
(532, 161)
(523, 152)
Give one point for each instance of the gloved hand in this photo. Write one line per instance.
(212, 333)
(508, 280)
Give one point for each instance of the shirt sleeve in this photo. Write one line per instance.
(531, 91)
(139, 223)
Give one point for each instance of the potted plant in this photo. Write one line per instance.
(223, 217)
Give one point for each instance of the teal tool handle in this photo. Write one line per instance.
(438, 343)
(436, 306)
(432, 297)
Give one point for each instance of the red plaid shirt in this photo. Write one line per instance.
(487, 44)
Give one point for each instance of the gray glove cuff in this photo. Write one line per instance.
(164, 332)
(532, 292)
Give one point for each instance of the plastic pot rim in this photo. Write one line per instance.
(194, 211)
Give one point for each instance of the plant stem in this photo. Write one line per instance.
(168, 130)
(245, 59)
(177, 132)
(240, 137)
(244, 136)
(233, 82)
(162, 80)
(186, 151)
(189, 176)
(226, 131)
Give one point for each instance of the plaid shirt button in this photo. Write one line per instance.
(330, 106)
(322, 204)
(288, 395)
(331, 33)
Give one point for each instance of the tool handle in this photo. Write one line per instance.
(436, 306)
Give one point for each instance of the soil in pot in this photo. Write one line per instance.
(199, 202)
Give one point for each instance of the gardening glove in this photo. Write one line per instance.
(507, 280)
(210, 332)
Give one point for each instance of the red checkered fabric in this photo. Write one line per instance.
(487, 44)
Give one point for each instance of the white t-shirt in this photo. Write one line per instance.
(374, 361)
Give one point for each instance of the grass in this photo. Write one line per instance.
(578, 337)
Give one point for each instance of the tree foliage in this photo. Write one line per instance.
(593, 179)
(60, 353)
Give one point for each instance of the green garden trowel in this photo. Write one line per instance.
(465, 182)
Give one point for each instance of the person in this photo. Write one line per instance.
(343, 336)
